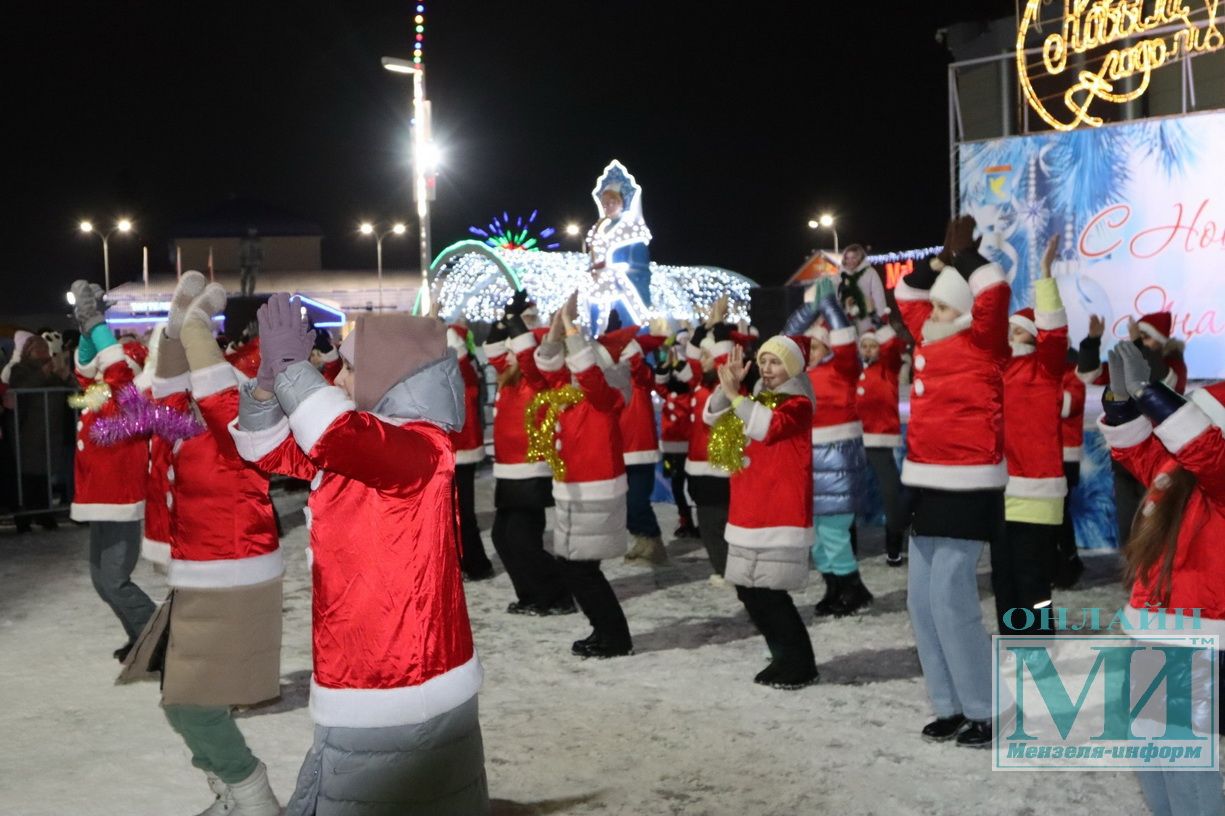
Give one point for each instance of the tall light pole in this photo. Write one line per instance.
(369, 229)
(424, 159)
(825, 220)
(123, 225)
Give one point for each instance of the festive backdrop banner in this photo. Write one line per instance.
(1140, 211)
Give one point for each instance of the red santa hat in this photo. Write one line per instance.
(245, 358)
(618, 342)
(951, 288)
(792, 350)
(1024, 320)
(136, 351)
(1157, 325)
(870, 334)
(1211, 400)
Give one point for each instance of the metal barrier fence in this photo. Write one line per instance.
(39, 464)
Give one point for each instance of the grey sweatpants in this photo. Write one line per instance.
(435, 768)
(114, 547)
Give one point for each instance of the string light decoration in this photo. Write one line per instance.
(905, 255)
(474, 280)
(500, 233)
(419, 31)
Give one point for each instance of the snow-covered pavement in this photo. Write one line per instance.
(679, 728)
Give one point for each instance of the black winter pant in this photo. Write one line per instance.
(1023, 563)
(595, 596)
(889, 481)
(712, 524)
(774, 614)
(473, 560)
(1128, 493)
(674, 469)
(1067, 532)
(518, 538)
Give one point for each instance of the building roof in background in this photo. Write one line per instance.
(234, 217)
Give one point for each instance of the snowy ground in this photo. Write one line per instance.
(680, 728)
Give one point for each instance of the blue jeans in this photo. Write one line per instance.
(639, 515)
(1182, 793)
(954, 648)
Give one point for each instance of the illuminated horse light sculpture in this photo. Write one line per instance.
(473, 280)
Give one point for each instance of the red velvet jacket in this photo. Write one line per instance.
(1033, 400)
(834, 384)
(1072, 413)
(510, 411)
(877, 394)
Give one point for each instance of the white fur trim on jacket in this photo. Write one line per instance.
(674, 446)
(1066, 410)
(954, 477)
(1209, 405)
(155, 552)
(693, 467)
(165, 387)
(1151, 331)
(630, 351)
(226, 572)
(89, 511)
(316, 413)
(472, 456)
(884, 334)
(837, 433)
(493, 350)
(873, 440)
(842, 337)
(522, 470)
(581, 360)
(1024, 487)
(407, 705)
(1049, 321)
(1170, 379)
(522, 342)
(904, 291)
(1126, 435)
(1076, 454)
(986, 276)
(756, 418)
(685, 375)
(458, 343)
(1183, 426)
(591, 491)
(1089, 377)
(212, 380)
(767, 538)
(643, 457)
(255, 445)
(551, 362)
(114, 354)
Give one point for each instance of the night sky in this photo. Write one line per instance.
(740, 120)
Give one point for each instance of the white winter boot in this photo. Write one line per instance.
(224, 804)
(253, 796)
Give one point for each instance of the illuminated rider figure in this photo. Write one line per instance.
(617, 246)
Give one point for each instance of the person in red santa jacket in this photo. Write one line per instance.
(217, 639)
(395, 682)
(155, 538)
(1128, 492)
(640, 441)
(1024, 559)
(579, 430)
(1072, 434)
(109, 480)
(839, 462)
(676, 425)
(469, 453)
(876, 403)
(957, 306)
(768, 541)
(523, 490)
(708, 349)
(1174, 560)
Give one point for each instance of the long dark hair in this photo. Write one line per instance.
(1154, 531)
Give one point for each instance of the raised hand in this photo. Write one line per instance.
(718, 312)
(284, 338)
(1049, 256)
(733, 372)
(1133, 329)
(1136, 371)
(1097, 326)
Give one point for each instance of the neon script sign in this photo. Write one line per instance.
(1146, 42)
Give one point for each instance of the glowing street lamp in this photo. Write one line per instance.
(426, 158)
(827, 221)
(123, 225)
(367, 228)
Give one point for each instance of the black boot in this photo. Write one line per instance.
(944, 728)
(579, 647)
(602, 649)
(978, 735)
(894, 542)
(852, 597)
(823, 607)
(1068, 571)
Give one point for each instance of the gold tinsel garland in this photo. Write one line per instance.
(726, 443)
(542, 437)
(94, 397)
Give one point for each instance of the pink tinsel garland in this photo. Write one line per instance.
(139, 416)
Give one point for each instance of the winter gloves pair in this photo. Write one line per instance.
(285, 338)
(1132, 390)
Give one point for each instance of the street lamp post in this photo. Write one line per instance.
(423, 159)
(573, 231)
(825, 220)
(123, 225)
(369, 229)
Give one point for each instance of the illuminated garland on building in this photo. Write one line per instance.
(906, 255)
(419, 28)
(501, 234)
